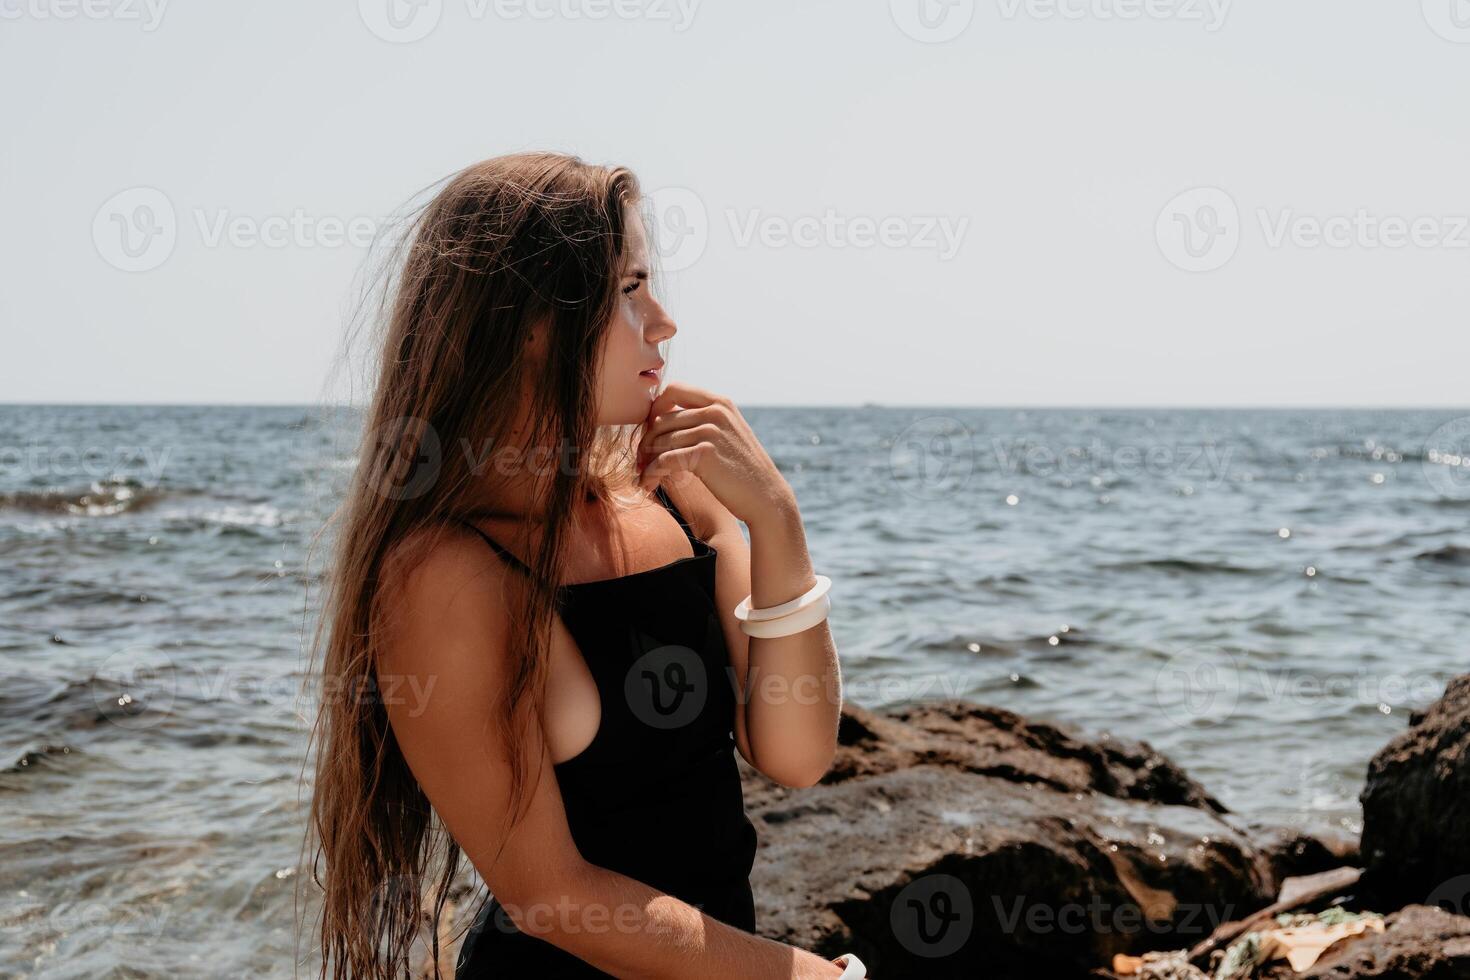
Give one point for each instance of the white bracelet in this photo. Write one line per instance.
(802, 619)
(853, 968)
(744, 612)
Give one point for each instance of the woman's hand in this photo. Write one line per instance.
(706, 435)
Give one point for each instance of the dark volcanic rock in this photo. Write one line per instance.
(952, 839)
(989, 741)
(1417, 942)
(1294, 852)
(1416, 807)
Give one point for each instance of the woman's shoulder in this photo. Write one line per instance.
(443, 577)
(441, 616)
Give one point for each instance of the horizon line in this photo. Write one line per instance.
(1051, 406)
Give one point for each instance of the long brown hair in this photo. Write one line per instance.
(507, 244)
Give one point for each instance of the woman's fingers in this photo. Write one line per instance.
(673, 431)
(689, 428)
(683, 395)
(673, 461)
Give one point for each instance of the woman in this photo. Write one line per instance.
(533, 605)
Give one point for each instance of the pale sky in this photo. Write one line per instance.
(999, 202)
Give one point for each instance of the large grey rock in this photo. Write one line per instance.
(952, 839)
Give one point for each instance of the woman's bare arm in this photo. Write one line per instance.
(788, 688)
(447, 641)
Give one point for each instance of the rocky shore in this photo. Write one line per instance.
(951, 839)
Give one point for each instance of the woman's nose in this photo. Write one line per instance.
(659, 326)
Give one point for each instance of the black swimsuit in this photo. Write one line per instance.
(656, 796)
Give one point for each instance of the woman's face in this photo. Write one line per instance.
(626, 386)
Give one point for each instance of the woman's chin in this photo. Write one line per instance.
(632, 413)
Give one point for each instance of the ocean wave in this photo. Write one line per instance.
(1010, 682)
(104, 498)
(1064, 635)
(255, 515)
(954, 642)
(76, 595)
(37, 757)
(1450, 554)
(1372, 452)
(1187, 566)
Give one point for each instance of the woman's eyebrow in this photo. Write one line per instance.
(638, 272)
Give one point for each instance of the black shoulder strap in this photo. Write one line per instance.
(506, 555)
(663, 496)
(669, 503)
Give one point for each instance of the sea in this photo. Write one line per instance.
(1262, 595)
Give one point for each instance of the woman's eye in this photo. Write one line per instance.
(632, 287)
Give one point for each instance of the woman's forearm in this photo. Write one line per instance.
(628, 929)
(794, 686)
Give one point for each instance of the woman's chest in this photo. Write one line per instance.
(638, 662)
